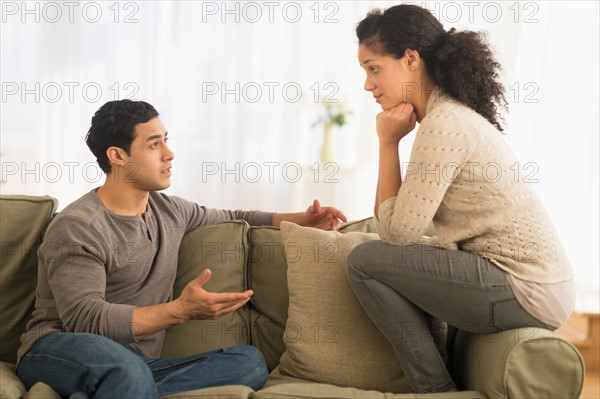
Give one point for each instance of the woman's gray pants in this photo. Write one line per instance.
(401, 287)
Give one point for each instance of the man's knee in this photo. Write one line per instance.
(252, 367)
(134, 368)
(115, 362)
(88, 363)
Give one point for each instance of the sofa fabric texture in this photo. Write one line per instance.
(328, 336)
(23, 221)
(521, 363)
(223, 248)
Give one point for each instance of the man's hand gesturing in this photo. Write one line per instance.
(197, 303)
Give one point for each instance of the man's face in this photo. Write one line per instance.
(148, 165)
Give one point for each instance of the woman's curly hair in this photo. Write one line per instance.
(461, 63)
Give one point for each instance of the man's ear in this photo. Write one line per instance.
(116, 156)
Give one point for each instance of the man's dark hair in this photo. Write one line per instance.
(114, 125)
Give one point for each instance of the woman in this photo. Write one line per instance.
(496, 262)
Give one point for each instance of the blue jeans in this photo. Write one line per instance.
(99, 367)
(401, 287)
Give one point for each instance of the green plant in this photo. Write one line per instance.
(333, 114)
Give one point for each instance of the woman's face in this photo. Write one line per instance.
(388, 78)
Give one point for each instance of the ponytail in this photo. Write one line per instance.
(464, 67)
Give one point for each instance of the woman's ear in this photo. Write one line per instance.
(116, 156)
(412, 58)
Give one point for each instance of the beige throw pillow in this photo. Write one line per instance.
(328, 336)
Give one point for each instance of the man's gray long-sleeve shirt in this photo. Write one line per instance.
(95, 267)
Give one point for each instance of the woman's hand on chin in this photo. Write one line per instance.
(395, 123)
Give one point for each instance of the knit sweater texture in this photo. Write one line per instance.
(463, 177)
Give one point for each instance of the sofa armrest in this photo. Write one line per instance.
(521, 363)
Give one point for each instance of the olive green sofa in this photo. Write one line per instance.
(522, 363)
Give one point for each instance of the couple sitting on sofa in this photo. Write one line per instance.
(496, 263)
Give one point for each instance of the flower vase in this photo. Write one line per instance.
(326, 150)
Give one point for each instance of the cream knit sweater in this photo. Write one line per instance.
(463, 176)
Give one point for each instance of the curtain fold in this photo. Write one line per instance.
(238, 87)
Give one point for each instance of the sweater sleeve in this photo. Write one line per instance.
(74, 260)
(195, 215)
(254, 218)
(439, 153)
(386, 208)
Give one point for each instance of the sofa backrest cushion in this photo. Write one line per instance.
(23, 222)
(267, 271)
(223, 248)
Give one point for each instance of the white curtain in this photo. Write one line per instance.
(553, 126)
(238, 83)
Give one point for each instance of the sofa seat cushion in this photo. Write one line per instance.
(226, 392)
(281, 387)
(328, 336)
(10, 385)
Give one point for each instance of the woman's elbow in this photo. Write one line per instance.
(401, 235)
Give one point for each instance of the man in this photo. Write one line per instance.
(106, 271)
